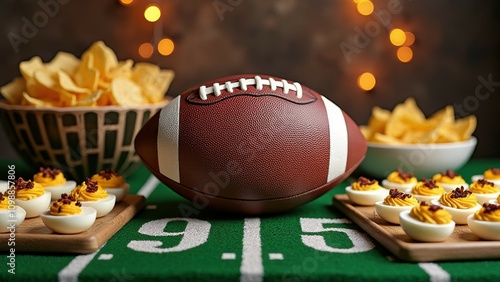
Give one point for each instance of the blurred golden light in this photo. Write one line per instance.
(166, 46)
(366, 81)
(410, 38)
(126, 2)
(152, 13)
(405, 54)
(146, 50)
(397, 37)
(365, 7)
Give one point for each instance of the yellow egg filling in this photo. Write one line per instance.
(66, 205)
(89, 191)
(484, 187)
(459, 198)
(49, 177)
(27, 190)
(432, 214)
(401, 177)
(108, 179)
(488, 212)
(400, 199)
(492, 173)
(365, 184)
(427, 188)
(449, 177)
(4, 202)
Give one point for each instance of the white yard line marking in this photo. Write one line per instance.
(71, 272)
(151, 207)
(436, 273)
(275, 256)
(228, 256)
(149, 186)
(105, 256)
(74, 268)
(251, 268)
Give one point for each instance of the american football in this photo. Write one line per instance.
(251, 144)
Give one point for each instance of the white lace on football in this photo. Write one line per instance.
(243, 83)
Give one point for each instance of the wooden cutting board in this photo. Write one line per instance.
(33, 236)
(461, 245)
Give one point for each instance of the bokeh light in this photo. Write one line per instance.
(146, 50)
(366, 81)
(405, 54)
(166, 46)
(410, 38)
(397, 37)
(126, 2)
(365, 7)
(152, 13)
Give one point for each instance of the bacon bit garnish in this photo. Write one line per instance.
(91, 185)
(495, 170)
(429, 183)
(490, 208)
(365, 181)
(483, 182)
(404, 175)
(460, 193)
(450, 173)
(394, 193)
(108, 173)
(21, 184)
(52, 172)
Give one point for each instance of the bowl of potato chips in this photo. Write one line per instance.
(406, 139)
(82, 115)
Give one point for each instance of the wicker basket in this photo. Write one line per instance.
(80, 141)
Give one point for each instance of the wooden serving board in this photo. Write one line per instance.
(461, 245)
(33, 236)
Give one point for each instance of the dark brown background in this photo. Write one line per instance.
(457, 42)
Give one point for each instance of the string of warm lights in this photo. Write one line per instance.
(398, 37)
(163, 45)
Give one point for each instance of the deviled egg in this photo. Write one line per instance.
(91, 194)
(484, 190)
(403, 181)
(460, 203)
(3, 186)
(53, 181)
(31, 196)
(427, 190)
(395, 203)
(485, 223)
(491, 175)
(67, 216)
(113, 183)
(10, 214)
(365, 192)
(427, 223)
(450, 180)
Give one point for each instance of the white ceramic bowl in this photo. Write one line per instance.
(458, 215)
(450, 187)
(120, 192)
(428, 199)
(406, 188)
(484, 198)
(423, 160)
(36, 206)
(486, 230)
(480, 176)
(5, 218)
(425, 232)
(390, 213)
(56, 191)
(70, 224)
(103, 207)
(366, 198)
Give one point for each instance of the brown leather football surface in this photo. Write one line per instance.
(250, 144)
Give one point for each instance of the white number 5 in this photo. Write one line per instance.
(195, 234)
(360, 242)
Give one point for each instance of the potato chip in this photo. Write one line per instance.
(13, 91)
(407, 125)
(126, 93)
(36, 102)
(91, 100)
(28, 68)
(64, 62)
(87, 76)
(104, 59)
(67, 84)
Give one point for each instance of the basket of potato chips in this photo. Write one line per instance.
(406, 139)
(82, 115)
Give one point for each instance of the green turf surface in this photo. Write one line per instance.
(314, 242)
